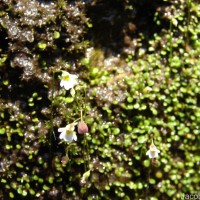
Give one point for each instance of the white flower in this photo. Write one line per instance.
(68, 80)
(153, 151)
(67, 133)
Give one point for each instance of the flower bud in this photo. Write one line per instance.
(82, 127)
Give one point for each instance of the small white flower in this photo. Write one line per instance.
(68, 80)
(67, 133)
(153, 151)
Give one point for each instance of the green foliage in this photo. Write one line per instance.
(141, 77)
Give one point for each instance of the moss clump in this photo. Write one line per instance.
(138, 63)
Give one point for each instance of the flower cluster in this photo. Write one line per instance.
(68, 133)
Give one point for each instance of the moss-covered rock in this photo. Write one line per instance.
(138, 68)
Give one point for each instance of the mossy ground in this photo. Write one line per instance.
(138, 62)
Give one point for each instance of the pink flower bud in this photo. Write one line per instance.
(82, 127)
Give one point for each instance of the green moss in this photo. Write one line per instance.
(141, 77)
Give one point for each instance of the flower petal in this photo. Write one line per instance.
(73, 76)
(157, 150)
(62, 135)
(61, 83)
(70, 127)
(69, 137)
(148, 152)
(62, 129)
(75, 137)
(151, 156)
(66, 85)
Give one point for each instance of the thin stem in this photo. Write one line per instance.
(85, 99)
(188, 22)
(77, 119)
(171, 44)
(87, 152)
(81, 115)
(147, 188)
(51, 117)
